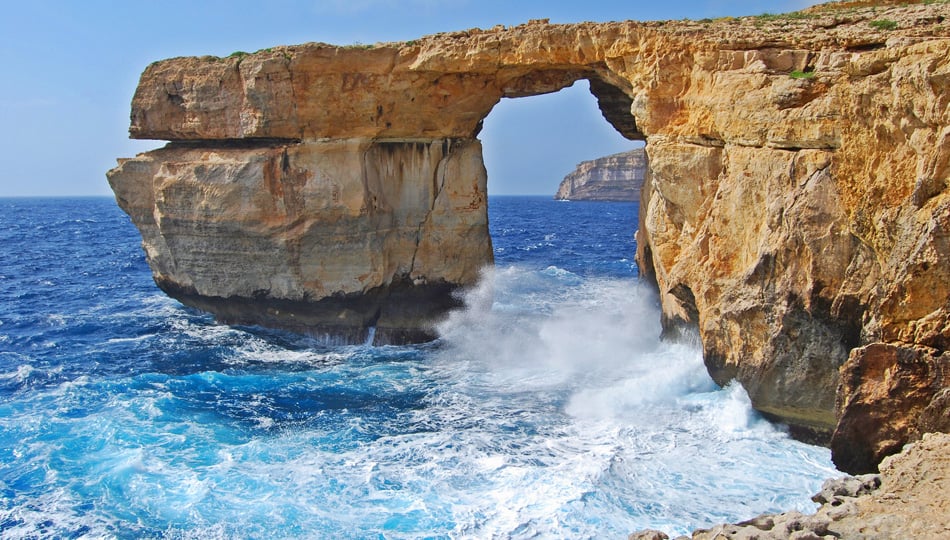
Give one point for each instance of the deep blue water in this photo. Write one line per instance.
(548, 408)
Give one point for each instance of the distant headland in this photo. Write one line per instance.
(617, 177)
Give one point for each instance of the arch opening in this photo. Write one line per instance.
(532, 138)
(531, 142)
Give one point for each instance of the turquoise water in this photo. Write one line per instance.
(547, 409)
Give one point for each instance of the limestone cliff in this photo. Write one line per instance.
(796, 209)
(618, 177)
(325, 237)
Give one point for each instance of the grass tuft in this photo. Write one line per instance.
(806, 74)
(884, 24)
(795, 15)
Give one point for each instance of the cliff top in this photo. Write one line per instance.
(638, 152)
(444, 84)
(849, 24)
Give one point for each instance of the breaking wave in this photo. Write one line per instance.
(548, 408)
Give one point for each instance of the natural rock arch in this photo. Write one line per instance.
(795, 210)
(356, 172)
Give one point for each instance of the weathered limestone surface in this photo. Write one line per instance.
(618, 177)
(326, 236)
(798, 220)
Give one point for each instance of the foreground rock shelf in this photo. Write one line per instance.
(909, 499)
(795, 211)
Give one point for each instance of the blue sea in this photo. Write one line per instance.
(549, 408)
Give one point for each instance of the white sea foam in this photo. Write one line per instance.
(258, 350)
(549, 408)
(134, 339)
(20, 374)
(617, 394)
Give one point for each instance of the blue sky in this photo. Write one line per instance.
(70, 68)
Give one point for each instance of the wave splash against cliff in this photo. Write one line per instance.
(625, 429)
(547, 408)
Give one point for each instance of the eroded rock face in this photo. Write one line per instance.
(618, 177)
(796, 208)
(816, 232)
(889, 394)
(321, 237)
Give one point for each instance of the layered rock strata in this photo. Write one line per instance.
(618, 177)
(324, 237)
(795, 210)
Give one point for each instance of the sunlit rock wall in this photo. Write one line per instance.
(329, 238)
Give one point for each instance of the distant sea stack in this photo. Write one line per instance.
(617, 177)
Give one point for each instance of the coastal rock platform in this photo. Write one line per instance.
(909, 499)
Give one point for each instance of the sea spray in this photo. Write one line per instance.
(548, 408)
(622, 408)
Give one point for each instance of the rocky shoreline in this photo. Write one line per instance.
(910, 498)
